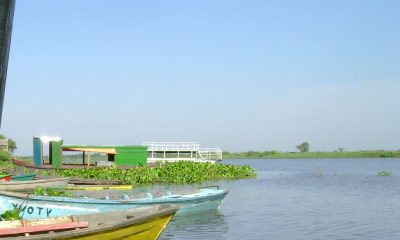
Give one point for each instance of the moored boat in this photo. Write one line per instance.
(140, 223)
(83, 181)
(29, 165)
(5, 177)
(23, 177)
(26, 186)
(45, 206)
(99, 187)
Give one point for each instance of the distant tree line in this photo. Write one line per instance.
(304, 152)
(304, 147)
(12, 145)
(4, 155)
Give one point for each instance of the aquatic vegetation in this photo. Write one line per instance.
(384, 173)
(40, 191)
(6, 165)
(177, 172)
(44, 172)
(4, 156)
(318, 173)
(10, 215)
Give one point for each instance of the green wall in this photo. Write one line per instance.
(55, 153)
(131, 155)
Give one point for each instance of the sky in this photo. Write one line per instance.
(239, 75)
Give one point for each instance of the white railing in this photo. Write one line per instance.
(210, 153)
(4, 144)
(151, 160)
(175, 151)
(172, 146)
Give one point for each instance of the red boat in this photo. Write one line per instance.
(5, 177)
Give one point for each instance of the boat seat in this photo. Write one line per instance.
(125, 197)
(42, 228)
(149, 195)
(172, 196)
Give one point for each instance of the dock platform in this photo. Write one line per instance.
(178, 151)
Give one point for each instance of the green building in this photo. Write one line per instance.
(131, 155)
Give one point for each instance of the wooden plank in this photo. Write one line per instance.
(43, 228)
(95, 150)
(32, 184)
(99, 187)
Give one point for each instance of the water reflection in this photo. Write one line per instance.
(205, 225)
(302, 199)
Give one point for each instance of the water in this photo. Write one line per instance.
(303, 199)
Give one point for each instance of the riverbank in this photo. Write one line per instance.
(299, 155)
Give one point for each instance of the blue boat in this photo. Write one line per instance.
(44, 206)
(23, 177)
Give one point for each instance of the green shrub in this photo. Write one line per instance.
(4, 156)
(40, 191)
(10, 215)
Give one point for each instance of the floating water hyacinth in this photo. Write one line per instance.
(176, 172)
(384, 173)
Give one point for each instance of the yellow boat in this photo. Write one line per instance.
(99, 188)
(139, 223)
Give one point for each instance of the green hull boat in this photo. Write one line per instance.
(23, 177)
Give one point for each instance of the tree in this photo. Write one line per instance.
(12, 145)
(304, 147)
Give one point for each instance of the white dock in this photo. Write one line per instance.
(178, 151)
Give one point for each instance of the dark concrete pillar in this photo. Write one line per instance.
(6, 19)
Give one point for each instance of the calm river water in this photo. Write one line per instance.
(303, 199)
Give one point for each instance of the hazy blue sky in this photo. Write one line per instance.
(240, 75)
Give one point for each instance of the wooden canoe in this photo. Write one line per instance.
(29, 165)
(84, 181)
(51, 206)
(139, 223)
(99, 187)
(26, 186)
(23, 177)
(5, 177)
(46, 166)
